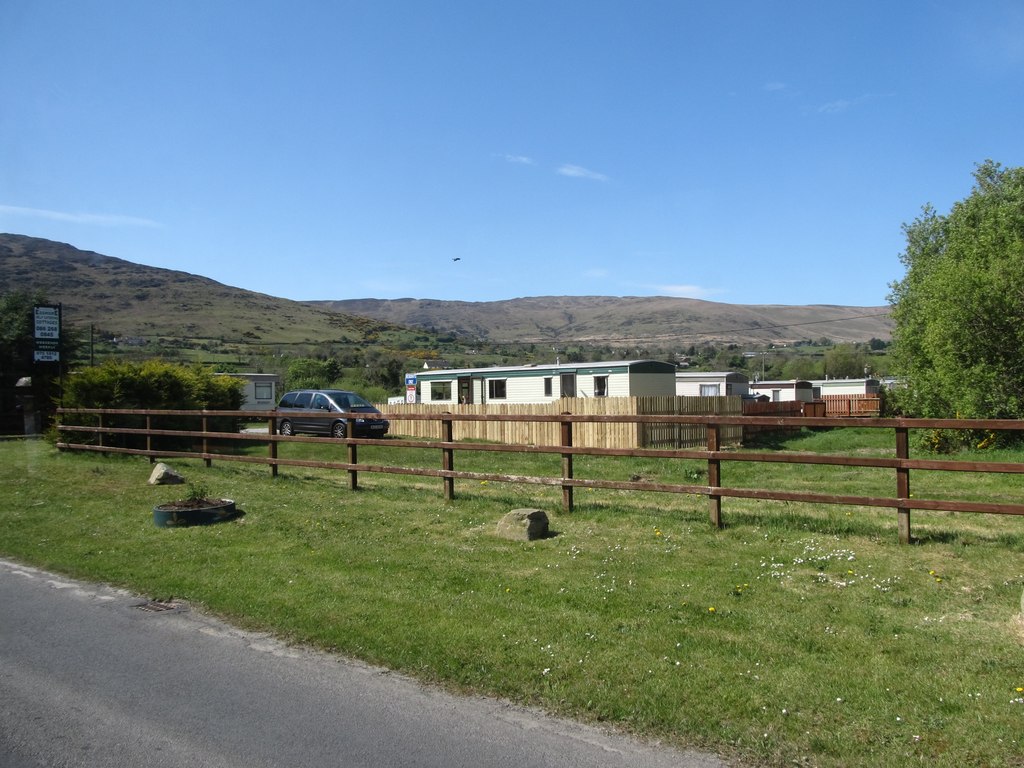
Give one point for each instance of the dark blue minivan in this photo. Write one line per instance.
(295, 408)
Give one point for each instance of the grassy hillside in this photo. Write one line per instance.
(127, 299)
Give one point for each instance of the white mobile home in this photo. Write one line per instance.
(546, 383)
(824, 387)
(711, 384)
(260, 390)
(784, 391)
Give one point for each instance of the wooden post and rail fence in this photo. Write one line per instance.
(107, 431)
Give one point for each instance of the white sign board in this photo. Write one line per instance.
(47, 322)
(47, 356)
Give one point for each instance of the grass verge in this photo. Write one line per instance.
(796, 635)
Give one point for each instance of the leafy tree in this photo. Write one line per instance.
(387, 371)
(802, 367)
(307, 373)
(845, 361)
(958, 340)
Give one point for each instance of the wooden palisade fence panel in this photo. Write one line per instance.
(596, 434)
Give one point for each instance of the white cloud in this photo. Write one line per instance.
(842, 105)
(579, 172)
(103, 220)
(835, 107)
(686, 291)
(775, 86)
(519, 159)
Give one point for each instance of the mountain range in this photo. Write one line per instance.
(662, 320)
(125, 298)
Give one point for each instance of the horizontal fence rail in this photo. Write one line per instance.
(204, 435)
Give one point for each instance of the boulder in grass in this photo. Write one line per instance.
(164, 475)
(524, 525)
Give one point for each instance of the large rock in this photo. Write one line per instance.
(524, 525)
(164, 475)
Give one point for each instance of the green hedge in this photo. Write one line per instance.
(154, 384)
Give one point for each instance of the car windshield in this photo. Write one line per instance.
(349, 400)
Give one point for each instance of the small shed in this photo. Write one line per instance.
(545, 383)
(783, 391)
(260, 390)
(711, 384)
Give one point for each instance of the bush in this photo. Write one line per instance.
(154, 384)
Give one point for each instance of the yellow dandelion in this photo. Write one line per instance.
(711, 609)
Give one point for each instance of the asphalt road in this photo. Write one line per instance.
(90, 678)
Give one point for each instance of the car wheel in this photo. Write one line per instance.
(338, 429)
(286, 429)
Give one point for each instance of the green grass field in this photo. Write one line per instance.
(796, 635)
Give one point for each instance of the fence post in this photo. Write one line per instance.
(448, 457)
(206, 446)
(100, 433)
(566, 442)
(903, 483)
(272, 445)
(714, 479)
(353, 455)
(149, 438)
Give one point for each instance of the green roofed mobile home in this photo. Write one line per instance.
(545, 383)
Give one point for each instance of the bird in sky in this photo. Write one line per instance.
(457, 258)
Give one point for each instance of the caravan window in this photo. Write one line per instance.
(264, 390)
(441, 390)
(496, 389)
(600, 386)
(709, 390)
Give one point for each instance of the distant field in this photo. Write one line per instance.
(798, 635)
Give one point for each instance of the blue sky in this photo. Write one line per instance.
(744, 152)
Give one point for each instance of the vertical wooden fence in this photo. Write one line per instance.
(593, 434)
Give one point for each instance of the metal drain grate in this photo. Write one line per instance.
(155, 606)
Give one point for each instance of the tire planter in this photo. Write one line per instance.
(203, 512)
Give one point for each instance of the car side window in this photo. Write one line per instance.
(288, 401)
(320, 402)
(302, 399)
